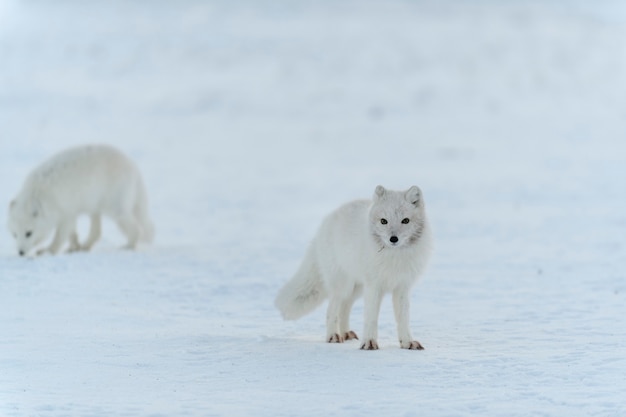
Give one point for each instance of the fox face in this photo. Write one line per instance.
(27, 225)
(397, 217)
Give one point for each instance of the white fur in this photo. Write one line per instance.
(353, 254)
(95, 180)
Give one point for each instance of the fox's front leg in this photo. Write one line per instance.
(74, 243)
(372, 298)
(94, 232)
(62, 234)
(73, 237)
(401, 309)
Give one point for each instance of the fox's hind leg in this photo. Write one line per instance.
(344, 314)
(128, 225)
(338, 316)
(333, 333)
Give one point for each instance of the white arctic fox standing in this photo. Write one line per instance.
(364, 247)
(95, 180)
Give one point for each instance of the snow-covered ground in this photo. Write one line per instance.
(252, 120)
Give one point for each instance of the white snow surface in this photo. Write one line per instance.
(250, 121)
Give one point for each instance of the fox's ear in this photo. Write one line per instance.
(379, 192)
(413, 195)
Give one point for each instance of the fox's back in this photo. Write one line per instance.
(342, 240)
(83, 177)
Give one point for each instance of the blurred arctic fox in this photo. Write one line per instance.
(367, 248)
(95, 180)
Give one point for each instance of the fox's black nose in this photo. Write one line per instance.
(393, 239)
(21, 253)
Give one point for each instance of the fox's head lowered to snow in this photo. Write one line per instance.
(27, 224)
(397, 218)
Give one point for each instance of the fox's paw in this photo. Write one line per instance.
(79, 248)
(350, 335)
(411, 345)
(369, 345)
(335, 338)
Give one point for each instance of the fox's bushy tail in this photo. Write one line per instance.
(303, 293)
(141, 214)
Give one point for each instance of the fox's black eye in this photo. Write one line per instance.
(405, 220)
(383, 221)
(28, 234)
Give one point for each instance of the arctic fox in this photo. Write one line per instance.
(364, 247)
(95, 180)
